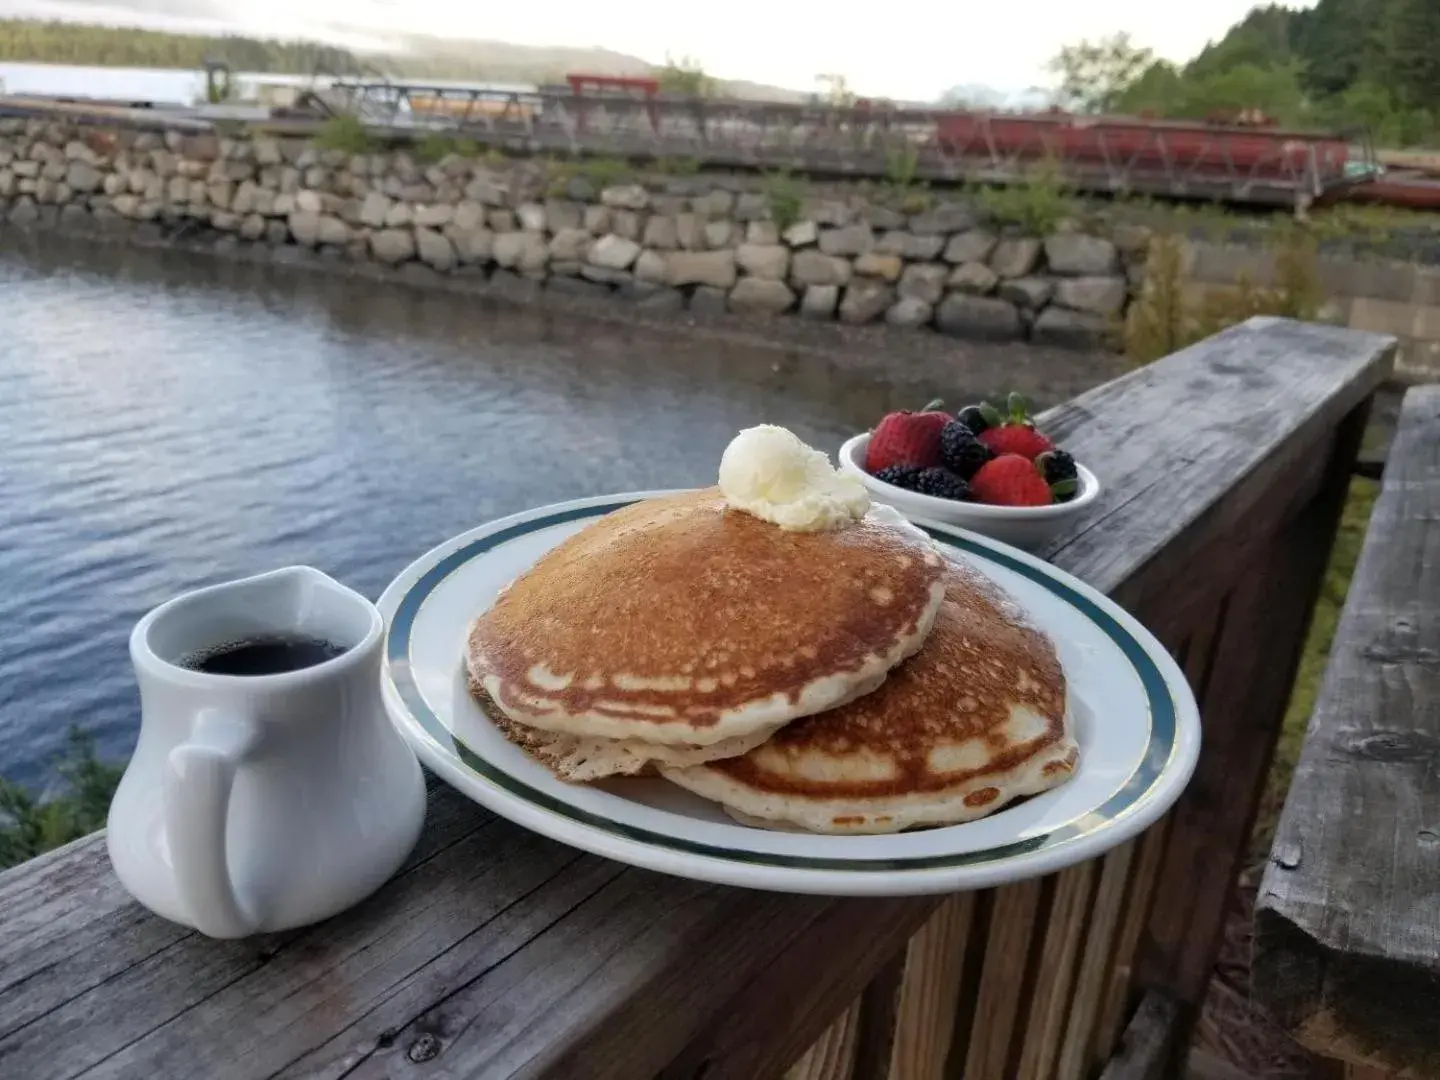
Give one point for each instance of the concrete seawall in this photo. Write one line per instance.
(1382, 295)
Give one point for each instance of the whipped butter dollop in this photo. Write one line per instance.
(768, 471)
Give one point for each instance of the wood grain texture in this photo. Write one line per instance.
(1076, 1054)
(832, 1056)
(496, 953)
(879, 1010)
(1228, 483)
(1148, 1048)
(1054, 988)
(925, 1021)
(1119, 994)
(1008, 944)
(1204, 1066)
(1347, 924)
(1247, 687)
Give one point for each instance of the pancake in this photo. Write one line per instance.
(680, 621)
(580, 758)
(974, 720)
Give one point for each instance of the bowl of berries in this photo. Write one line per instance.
(991, 471)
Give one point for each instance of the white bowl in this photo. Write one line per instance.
(1028, 527)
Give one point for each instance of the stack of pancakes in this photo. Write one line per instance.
(852, 680)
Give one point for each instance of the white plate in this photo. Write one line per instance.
(1134, 715)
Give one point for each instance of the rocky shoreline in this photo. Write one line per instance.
(701, 244)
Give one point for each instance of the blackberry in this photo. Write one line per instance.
(943, 484)
(961, 451)
(1060, 473)
(973, 418)
(902, 476)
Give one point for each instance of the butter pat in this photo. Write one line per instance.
(769, 472)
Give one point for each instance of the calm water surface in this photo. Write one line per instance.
(171, 421)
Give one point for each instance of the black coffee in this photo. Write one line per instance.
(263, 656)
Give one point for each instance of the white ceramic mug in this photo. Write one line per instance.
(257, 803)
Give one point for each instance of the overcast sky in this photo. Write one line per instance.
(910, 50)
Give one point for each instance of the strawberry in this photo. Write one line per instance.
(1010, 480)
(1014, 433)
(907, 438)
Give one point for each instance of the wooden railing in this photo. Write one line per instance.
(496, 953)
(1347, 925)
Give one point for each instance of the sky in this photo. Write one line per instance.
(929, 46)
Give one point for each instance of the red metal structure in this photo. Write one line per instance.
(1181, 156)
(609, 85)
(1241, 158)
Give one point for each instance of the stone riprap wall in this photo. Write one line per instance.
(706, 243)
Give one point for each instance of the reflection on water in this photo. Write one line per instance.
(171, 421)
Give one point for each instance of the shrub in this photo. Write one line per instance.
(901, 163)
(437, 145)
(1162, 321)
(1036, 202)
(785, 197)
(29, 827)
(345, 133)
(677, 166)
(606, 171)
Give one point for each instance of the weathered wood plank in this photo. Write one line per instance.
(1002, 979)
(832, 1056)
(1347, 925)
(1119, 994)
(1261, 635)
(1202, 1066)
(1236, 462)
(1148, 1048)
(1070, 914)
(879, 1010)
(498, 953)
(749, 1042)
(925, 1025)
(1095, 963)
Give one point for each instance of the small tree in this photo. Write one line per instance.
(685, 76)
(1094, 75)
(835, 91)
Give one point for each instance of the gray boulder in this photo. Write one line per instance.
(760, 296)
(979, 318)
(1081, 255)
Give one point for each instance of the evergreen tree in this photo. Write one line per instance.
(1413, 52)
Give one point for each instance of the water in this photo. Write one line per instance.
(171, 86)
(171, 421)
(164, 86)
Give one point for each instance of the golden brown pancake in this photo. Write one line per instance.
(580, 758)
(677, 620)
(975, 719)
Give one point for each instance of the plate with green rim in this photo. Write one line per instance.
(1131, 709)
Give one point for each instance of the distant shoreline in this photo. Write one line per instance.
(54, 42)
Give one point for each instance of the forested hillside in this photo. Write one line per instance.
(1364, 63)
(112, 46)
(414, 56)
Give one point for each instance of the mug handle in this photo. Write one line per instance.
(199, 775)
